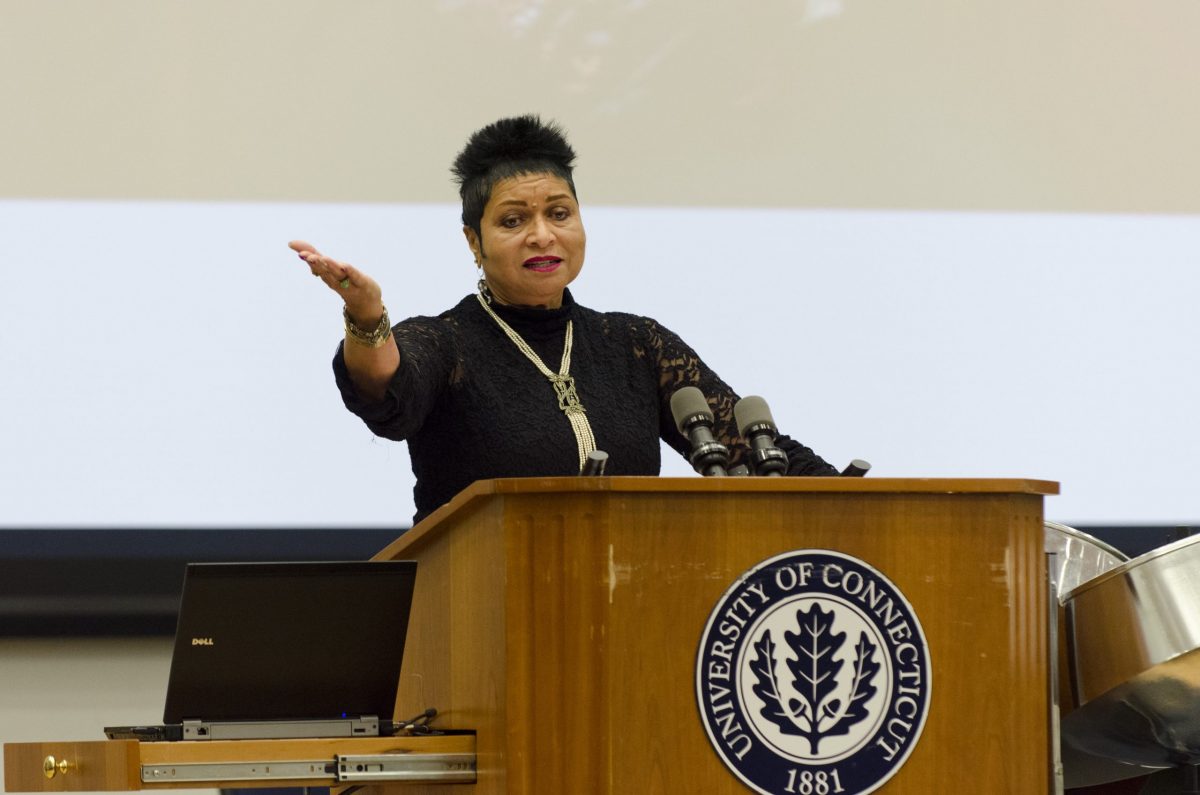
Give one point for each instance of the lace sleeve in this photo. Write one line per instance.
(427, 363)
(678, 366)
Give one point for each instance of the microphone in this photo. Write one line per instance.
(595, 464)
(695, 421)
(856, 468)
(757, 427)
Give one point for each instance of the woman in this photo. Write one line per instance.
(519, 380)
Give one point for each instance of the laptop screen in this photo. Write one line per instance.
(289, 641)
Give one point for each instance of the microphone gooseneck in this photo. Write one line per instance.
(695, 421)
(757, 427)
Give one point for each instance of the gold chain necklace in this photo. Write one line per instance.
(562, 381)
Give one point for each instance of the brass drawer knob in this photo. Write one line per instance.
(50, 767)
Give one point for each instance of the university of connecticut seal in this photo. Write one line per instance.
(813, 676)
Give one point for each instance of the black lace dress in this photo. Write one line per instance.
(471, 406)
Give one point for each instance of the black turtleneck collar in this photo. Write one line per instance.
(535, 317)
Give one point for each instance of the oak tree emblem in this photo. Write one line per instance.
(807, 706)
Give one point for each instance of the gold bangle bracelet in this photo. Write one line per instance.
(376, 337)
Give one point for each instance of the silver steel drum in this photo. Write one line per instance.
(1078, 557)
(1133, 639)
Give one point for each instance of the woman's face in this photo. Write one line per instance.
(533, 240)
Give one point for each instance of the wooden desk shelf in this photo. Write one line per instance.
(123, 765)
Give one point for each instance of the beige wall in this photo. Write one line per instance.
(1080, 105)
(71, 688)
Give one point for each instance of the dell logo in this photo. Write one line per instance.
(202, 641)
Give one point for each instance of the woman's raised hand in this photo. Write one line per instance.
(361, 293)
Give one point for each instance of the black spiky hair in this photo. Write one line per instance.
(509, 148)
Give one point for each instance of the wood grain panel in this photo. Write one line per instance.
(94, 766)
(576, 607)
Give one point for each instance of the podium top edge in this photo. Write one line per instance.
(748, 485)
(734, 485)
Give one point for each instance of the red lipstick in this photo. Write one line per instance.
(542, 264)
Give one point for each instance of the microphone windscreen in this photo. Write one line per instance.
(688, 402)
(856, 468)
(752, 410)
(595, 463)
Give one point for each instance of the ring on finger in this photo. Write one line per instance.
(345, 282)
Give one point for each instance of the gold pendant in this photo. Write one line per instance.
(568, 398)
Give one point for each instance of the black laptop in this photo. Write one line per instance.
(285, 650)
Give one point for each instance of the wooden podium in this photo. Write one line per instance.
(560, 619)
